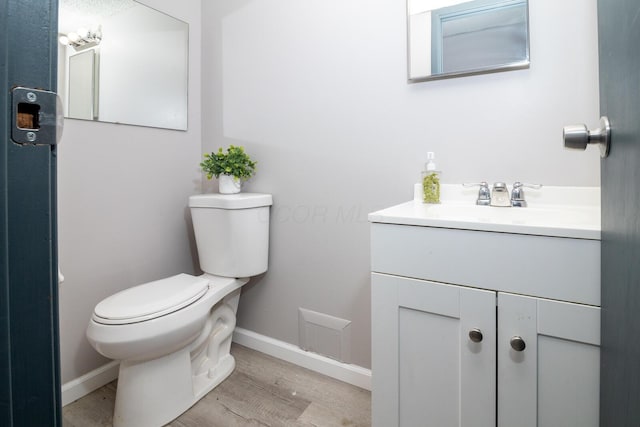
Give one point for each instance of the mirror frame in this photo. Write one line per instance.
(517, 65)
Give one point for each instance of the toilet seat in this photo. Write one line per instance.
(150, 300)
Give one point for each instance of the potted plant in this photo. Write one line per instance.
(230, 168)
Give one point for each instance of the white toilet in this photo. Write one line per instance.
(173, 335)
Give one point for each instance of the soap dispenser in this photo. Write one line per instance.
(431, 180)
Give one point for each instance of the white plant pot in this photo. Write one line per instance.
(227, 184)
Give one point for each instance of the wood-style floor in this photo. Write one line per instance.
(262, 391)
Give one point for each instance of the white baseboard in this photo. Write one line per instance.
(352, 374)
(80, 387)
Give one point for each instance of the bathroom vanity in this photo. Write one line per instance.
(485, 316)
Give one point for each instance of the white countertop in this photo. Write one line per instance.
(553, 211)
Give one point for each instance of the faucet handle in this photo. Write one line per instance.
(484, 194)
(517, 193)
(519, 184)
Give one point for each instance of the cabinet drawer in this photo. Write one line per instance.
(564, 269)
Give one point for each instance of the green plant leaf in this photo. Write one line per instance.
(234, 162)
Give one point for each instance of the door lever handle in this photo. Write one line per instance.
(578, 137)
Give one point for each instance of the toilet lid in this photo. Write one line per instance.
(150, 300)
(230, 201)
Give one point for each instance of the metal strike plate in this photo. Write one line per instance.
(37, 117)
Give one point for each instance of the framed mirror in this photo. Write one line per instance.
(452, 38)
(120, 61)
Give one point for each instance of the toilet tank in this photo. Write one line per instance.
(232, 232)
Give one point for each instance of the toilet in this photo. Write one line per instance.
(172, 336)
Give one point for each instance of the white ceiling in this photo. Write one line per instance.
(73, 14)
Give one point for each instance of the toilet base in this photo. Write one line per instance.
(154, 392)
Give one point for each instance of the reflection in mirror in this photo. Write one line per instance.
(82, 96)
(122, 62)
(451, 38)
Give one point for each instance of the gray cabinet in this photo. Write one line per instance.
(554, 381)
(446, 353)
(426, 371)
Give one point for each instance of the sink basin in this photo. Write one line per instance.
(564, 212)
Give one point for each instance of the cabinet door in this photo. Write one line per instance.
(554, 380)
(426, 371)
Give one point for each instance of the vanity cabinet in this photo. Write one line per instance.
(474, 328)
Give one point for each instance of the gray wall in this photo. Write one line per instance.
(316, 90)
(122, 205)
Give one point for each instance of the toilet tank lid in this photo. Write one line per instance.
(230, 201)
(152, 299)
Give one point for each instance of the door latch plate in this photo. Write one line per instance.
(37, 117)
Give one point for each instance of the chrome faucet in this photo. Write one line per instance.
(484, 195)
(517, 193)
(500, 195)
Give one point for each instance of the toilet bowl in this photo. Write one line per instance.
(172, 336)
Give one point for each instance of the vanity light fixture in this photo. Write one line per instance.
(82, 38)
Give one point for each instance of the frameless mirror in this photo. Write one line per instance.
(120, 61)
(451, 38)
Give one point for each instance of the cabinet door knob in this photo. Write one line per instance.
(475, 335)
(517, 343)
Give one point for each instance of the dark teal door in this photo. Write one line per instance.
(29, 373)
(619, 33)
